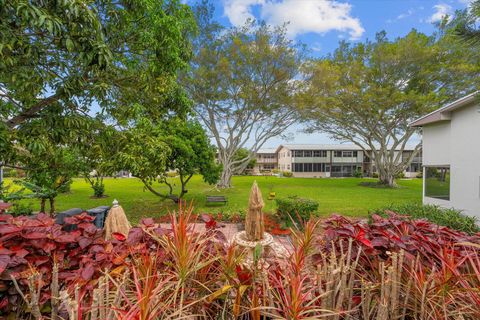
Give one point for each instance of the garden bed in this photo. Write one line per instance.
(336, 268)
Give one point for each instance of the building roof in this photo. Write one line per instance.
(267, 150)
(346, 146)
(445, 112)
(320, 147)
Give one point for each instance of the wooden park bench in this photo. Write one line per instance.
(216, 199)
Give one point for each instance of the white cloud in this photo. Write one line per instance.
(410, 12)
(406, 14)
(317, 47)
(317, 16)
(441, 10)
(239, 11)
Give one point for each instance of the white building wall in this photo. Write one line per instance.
(436, 142)
(457, 143)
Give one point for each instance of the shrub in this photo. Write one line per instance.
(434, 269)
(392, 268)
(33, 245)
(375, 175)
(20, 209)
(419, 175)
(43, 258)
(400, 175)
(295, 207)
(287, 174)
(98, 188)
(451, 218)
(357, 174)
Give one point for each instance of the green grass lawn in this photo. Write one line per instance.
(343, 196)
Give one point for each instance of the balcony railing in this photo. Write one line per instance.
(266, 160)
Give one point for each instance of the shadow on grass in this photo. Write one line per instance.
(377, 185)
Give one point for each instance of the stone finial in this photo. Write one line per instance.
(115, 203)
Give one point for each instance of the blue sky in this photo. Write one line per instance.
(321, 24)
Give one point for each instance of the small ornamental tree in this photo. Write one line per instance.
(152, 151)
(47, 179)
(50, 158)
(191, 153)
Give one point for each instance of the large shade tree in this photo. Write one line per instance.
(243, 82)
(81, 57)
(368, 93)
(465, 24)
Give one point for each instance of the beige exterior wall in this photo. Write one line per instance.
(284, 156)
(457, 143)
(265, 162)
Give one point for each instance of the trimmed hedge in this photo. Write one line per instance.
(295, 207)
(451, 218)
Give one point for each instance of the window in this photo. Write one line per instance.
(298, 153)
(319, 167)
(414, 167)
(320, 153)
(307, 153)
(309, 167)
(437, 182)
(345, 154)
(268, 166)
(298, 167)
(288, 167)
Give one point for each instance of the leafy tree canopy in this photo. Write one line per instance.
(368, 93)
(243, 82)
(78, 57)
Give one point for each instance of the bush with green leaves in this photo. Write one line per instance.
(20, 209)
(400, 175)
(358, 174)
(98, 188)
(295, 208)
(287, 174)
(451, 218)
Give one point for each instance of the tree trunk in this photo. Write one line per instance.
(387, 179)
(52, 205)
(42, 205)
(226, 177)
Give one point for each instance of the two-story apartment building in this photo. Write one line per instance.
(318, 160)
(324, 160)
(266, 161)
